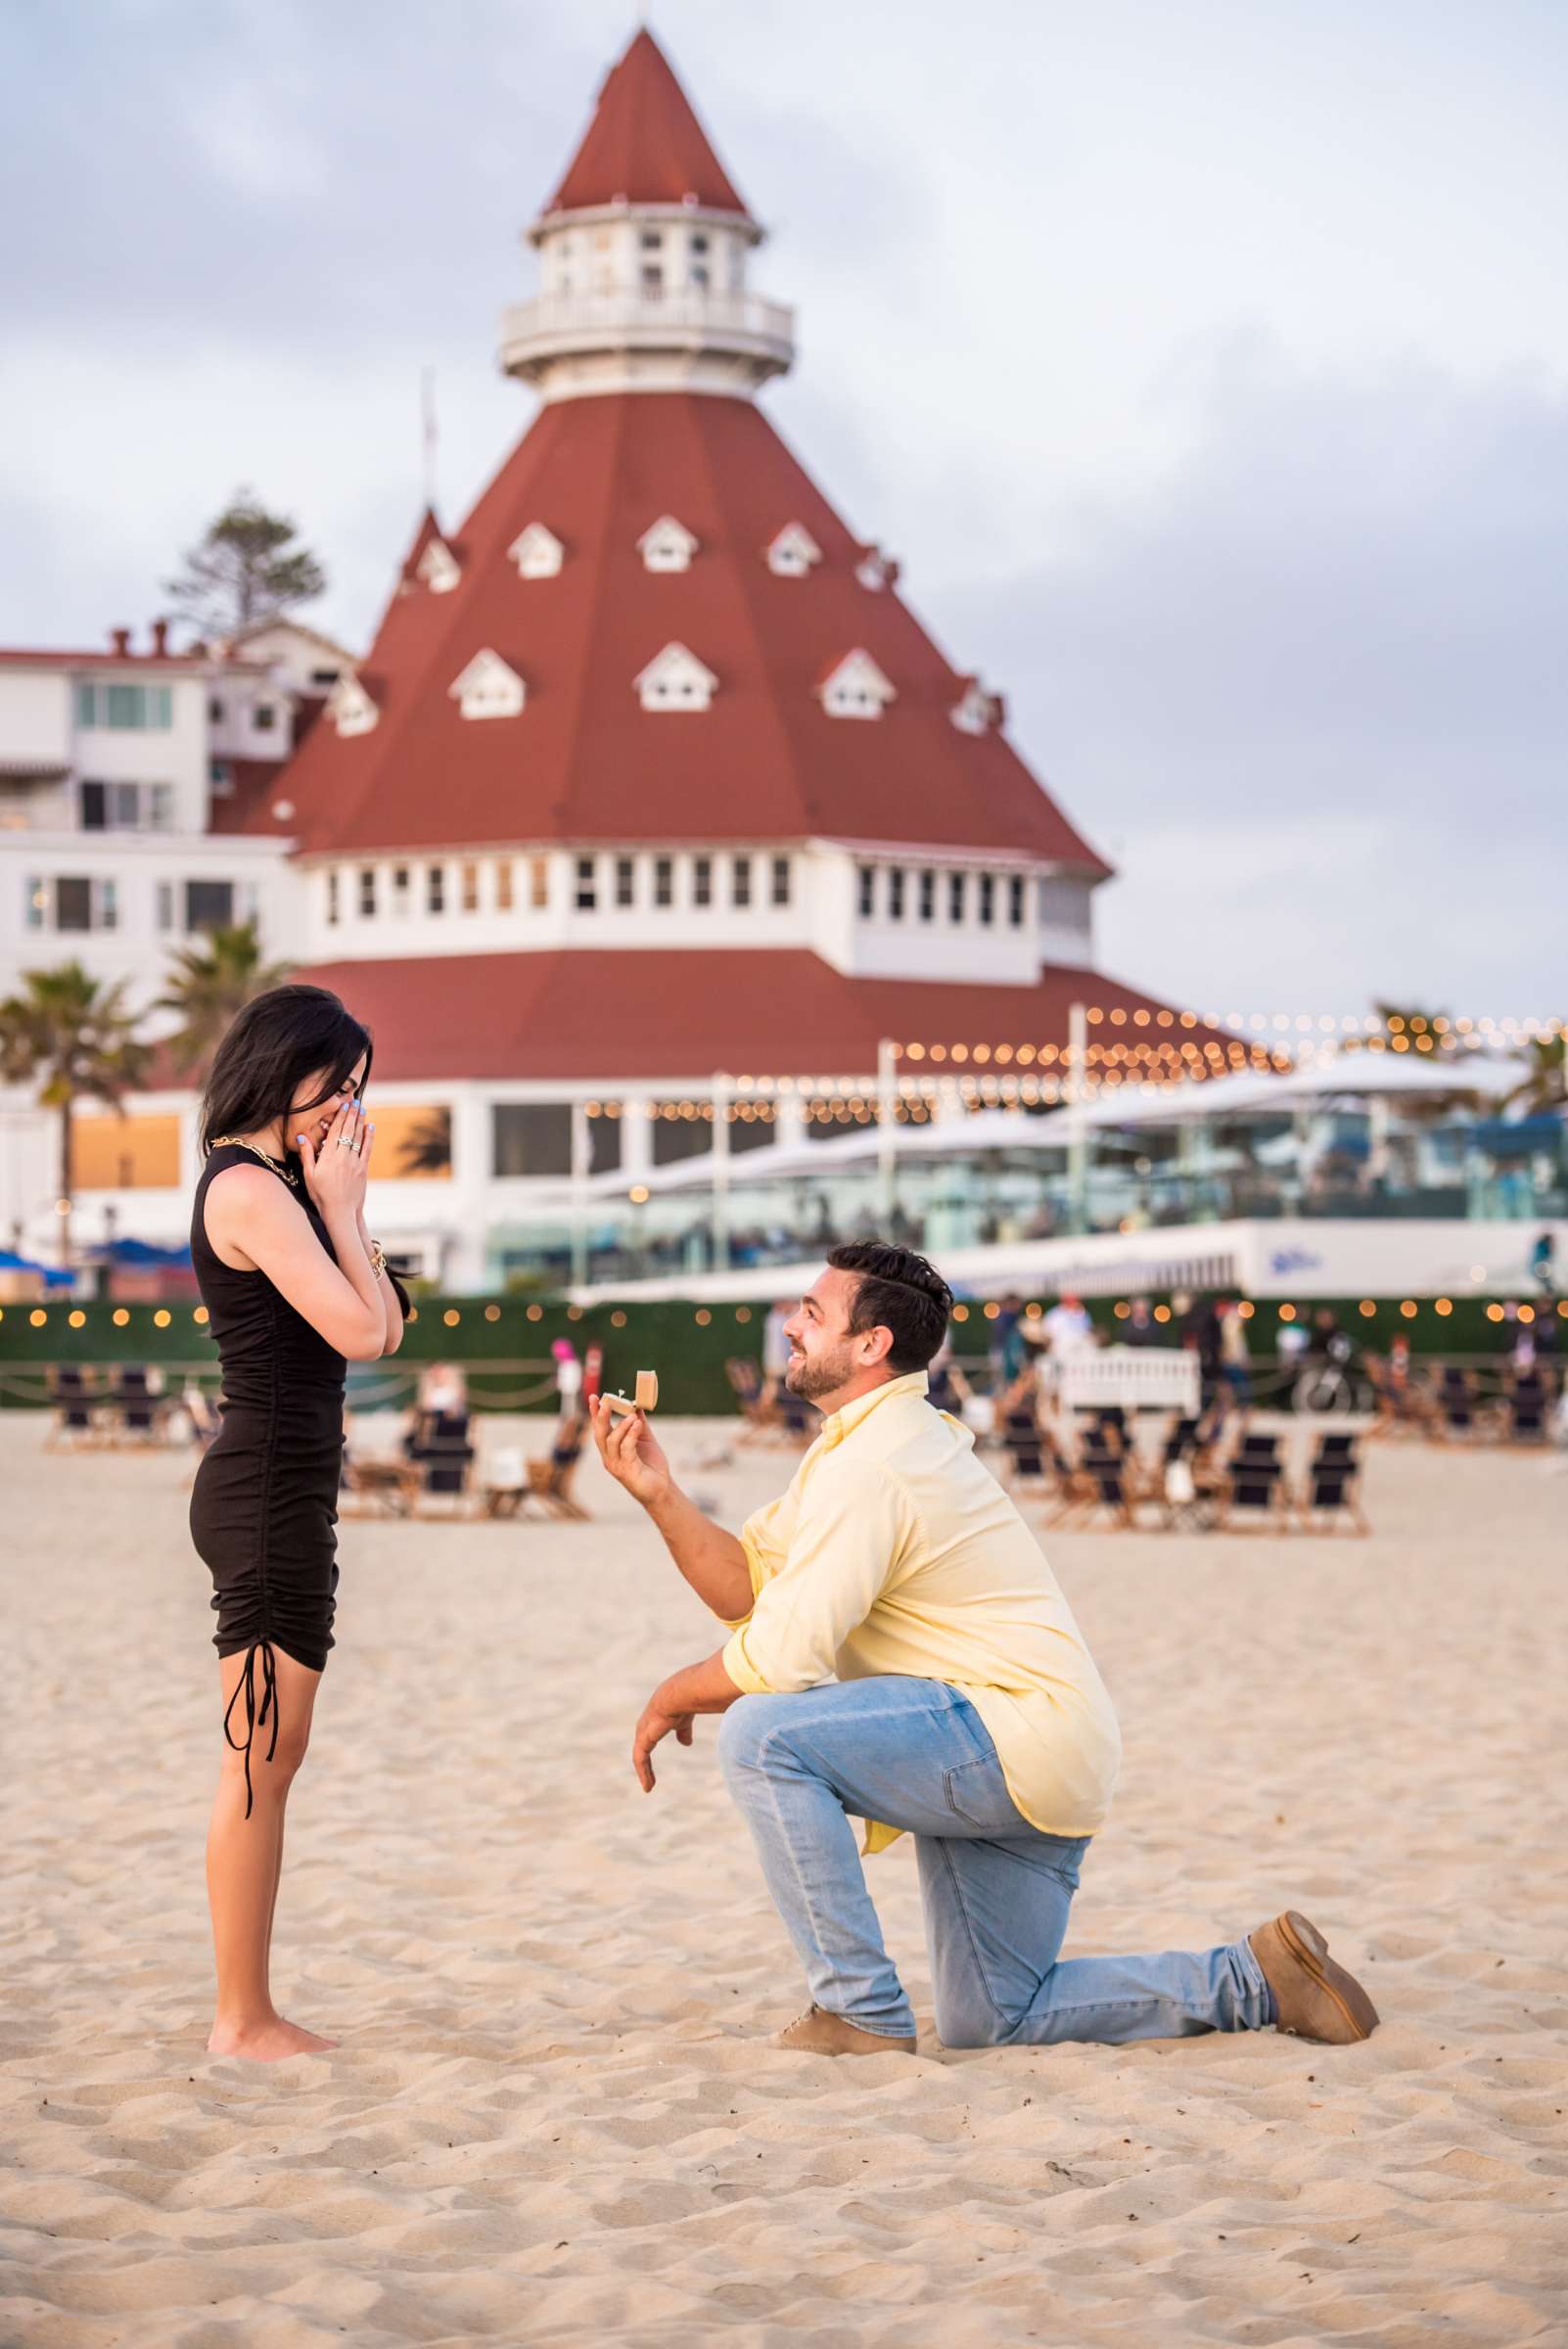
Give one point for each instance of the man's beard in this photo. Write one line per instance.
(809, 1379)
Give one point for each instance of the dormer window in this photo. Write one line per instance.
(438, 568)
(667, 545)
(488, 688)
(979, 711)
(856, 688)
(538, 552)
(793, 552)
(675, 680)
(875, 570)
(350, 707)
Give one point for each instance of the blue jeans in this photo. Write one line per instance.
(996, 1890)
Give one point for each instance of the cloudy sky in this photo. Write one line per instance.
(1206, 364)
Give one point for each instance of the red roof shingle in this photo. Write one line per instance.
(585, 760)
(675, 1014)
(644, 144)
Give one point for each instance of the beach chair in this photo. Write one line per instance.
(1527, 1408)
(137, 1408)
(1255, 1491)
(1455, 1397)
(550, 1480)
(442, 1458)
(71, 1390)
(1329, 1498)
(1106, 1484)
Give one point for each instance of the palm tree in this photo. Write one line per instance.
(71, 1036)
(1545, 1087)
(427, 1145)
(207, 985)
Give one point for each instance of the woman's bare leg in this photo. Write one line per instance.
(243, 1856)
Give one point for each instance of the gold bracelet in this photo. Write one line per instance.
(377, 1259)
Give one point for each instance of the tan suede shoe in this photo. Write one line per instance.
(818, 2033)
(1314, 1998)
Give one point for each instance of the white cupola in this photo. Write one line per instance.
(791, 555)
(350, 707)
(855, 687)
(488, 688)
(538, 552)
(667, 545)
(643, 250)
(675, 680)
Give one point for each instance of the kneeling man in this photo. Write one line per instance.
(900, 1652)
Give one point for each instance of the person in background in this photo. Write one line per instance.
(1140, 1328)
(1068, 1326)
(1235, 1357)
(568, 1376)
(1007, 1344)
(1544, 1263)
(592, 1375)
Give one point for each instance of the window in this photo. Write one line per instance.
(209, 905)
(214, 712)
(530, 1137)
(434, 889)
(987, 897)
(538, 882)
(400, 886)
(163, 900)
(955, 897)
(126, 806)
(781, 881)
(219, 774)
(367, 891)
(740, 881)
(67, 902)
(264, 717)
(73, 905)
(866, 875)
(652, 240)
(699, 241)
(334, 900)
(653, 278)
(1015, 899)
(856, 688)
(125, 708)
(468, 883)
(674, 1138)
(896, 893)
(699, 274)
(702, 881)
(503, 885)
(625, 881)
(125, 1153)
(488, 688)
(928, 896)
(664, 881)
(324, 676)
(587, 897)
(667, 545)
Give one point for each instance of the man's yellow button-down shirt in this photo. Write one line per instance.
(895, 1551)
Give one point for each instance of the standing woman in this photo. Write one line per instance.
(293, 1288)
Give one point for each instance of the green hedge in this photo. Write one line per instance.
(504, 1343)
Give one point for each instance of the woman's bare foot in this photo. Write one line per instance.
(268, 2042)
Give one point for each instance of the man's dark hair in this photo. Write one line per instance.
(899, 1291)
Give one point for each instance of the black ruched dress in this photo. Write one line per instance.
(264, 1507)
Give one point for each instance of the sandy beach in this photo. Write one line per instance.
(553, 2117)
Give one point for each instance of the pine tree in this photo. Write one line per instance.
(246, 569)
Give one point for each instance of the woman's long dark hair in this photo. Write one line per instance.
(275, 1042)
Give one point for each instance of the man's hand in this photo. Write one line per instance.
(631, 1454)
(656, 1722)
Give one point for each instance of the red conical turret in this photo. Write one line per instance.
(645, 144)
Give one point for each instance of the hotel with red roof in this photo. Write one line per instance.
(652, 813)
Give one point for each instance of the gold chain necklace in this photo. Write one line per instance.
(279, 1166)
